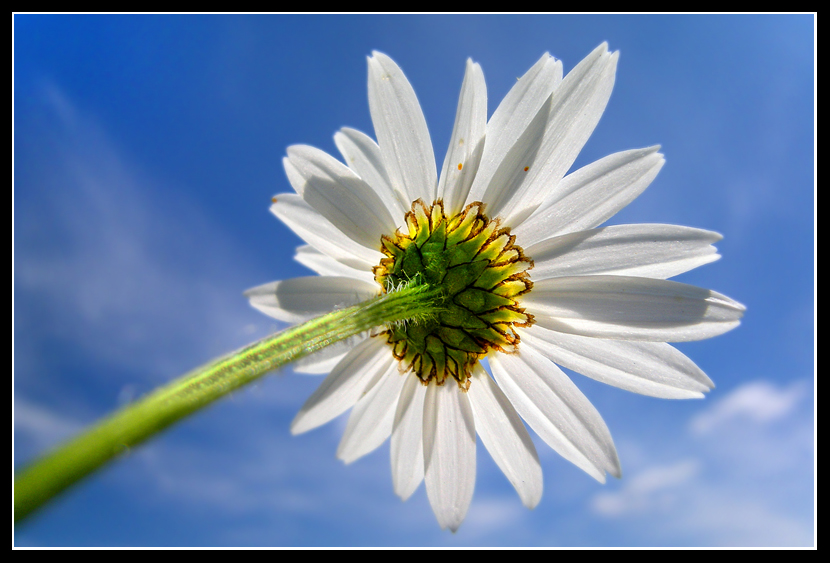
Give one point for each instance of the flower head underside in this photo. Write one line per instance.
(529, 281)
(481, 272)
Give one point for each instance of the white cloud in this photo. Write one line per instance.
(719, 516)
(41, 426)
(749, 483)
(650, 490)
(492, 515)
(758, 401)
(120, 282)
(117, 262)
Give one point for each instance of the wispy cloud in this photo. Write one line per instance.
(120, 281)
(116, 261)
(40, 427)
(757, 401)
(748, 484)
(654, 489)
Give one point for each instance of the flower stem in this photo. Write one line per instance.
(49, 475)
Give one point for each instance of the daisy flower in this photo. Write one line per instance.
(530, 281)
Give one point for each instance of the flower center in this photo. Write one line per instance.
(481, 271)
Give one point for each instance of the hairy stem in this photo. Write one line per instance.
(49, 475)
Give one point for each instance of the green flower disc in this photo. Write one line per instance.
(482, 273)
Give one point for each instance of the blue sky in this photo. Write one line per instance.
(147, 149)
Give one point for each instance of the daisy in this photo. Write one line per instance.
(529, 281)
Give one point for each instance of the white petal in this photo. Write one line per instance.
(324, 265)
(407, 448)
(557, 411)
(512, 118)
(362, 155)
(317, 366)
(467, 141)
(629, 308)
(300, 299)
(511, 173)
(356, 373)
(649, 251)
(656, 369)
(401, 130)
(505, 437)
(326, 359)
(449, 453)
(339, 194)
(591, 195)
(370, 422)
(318, 231)
(577, 104)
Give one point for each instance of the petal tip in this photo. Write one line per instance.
(382, 58)
(404, 495)
(300, 150)
(600, 51)
(266, 289)
(531, 502)
(348, 454)
(451, 522)
(739, 308)
(296, 427)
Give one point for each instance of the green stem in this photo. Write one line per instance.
(80, 456)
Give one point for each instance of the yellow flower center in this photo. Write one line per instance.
(482, 272)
